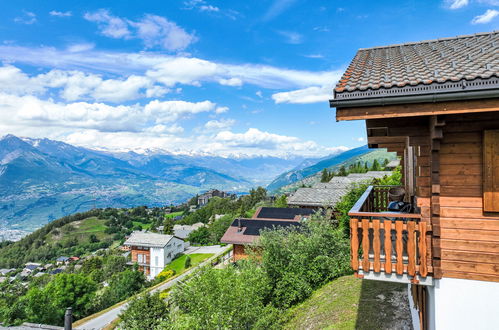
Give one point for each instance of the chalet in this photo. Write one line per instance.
(183, 231)
(244, 232)
(436, 104)
(152, 252)
(203, 199)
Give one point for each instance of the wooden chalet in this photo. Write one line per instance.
(435, 103)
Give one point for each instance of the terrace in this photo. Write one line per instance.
(403, 255)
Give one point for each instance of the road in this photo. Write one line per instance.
(105, 319)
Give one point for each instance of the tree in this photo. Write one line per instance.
(342, 171)
(93, 239)
(168, 226)
(281, 201)
(200, 236)
(376, 166)
(145, 312)
(121, 286)
(325, 175)
(48, 304)
(187, 262)
(229, 298)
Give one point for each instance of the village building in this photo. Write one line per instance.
(283, 213)
(204, 198)
(316, 198)
(244, 233)
(183, 231)
(152, 252)
(436, 104)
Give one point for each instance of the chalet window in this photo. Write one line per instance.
(491, 171)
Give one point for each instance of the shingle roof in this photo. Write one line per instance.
(251, 229)
(148, 239)
(462, 58)
(317, 197)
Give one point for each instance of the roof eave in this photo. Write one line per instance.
(408, 99)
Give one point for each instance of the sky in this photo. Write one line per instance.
(228, 78)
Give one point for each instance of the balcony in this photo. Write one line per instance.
(402, 255)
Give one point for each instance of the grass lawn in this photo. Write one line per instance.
(142, 225)
(173, 214)
(351, 303)
(178, 264)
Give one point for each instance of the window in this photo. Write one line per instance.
(156, 260)
(139, 258)
(491, 171)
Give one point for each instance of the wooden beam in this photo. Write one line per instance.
(417, 109)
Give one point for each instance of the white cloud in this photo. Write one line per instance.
(456, 4)
(314, 56)
(60, 13)
(291, 37)
(217, 125)
(28, 18)
(361, 139)
(486, 17)
(164, 129)
(277, 8)
(254, 138)
(259, 94)
(81, 47)
(169, 70)
(209, 8)
(158, 31)
(153, 30)
(231, 82)
(305, 95)
(167, 111)
(110, 26)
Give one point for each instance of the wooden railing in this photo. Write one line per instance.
(388, 242)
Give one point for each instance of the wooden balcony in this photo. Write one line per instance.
(389, 246)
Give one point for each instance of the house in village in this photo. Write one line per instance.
(245, 232)
(203, 199)
(183, 231)
(435, 103)
(152, 252)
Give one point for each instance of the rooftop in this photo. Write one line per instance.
(250, 229)
(138, 238)
(317, 197)
(469, 62)
(281, 212)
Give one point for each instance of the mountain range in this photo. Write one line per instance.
(42, 179)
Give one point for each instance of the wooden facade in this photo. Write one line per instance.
(451, 169)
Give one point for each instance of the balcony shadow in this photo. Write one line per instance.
(383, 305)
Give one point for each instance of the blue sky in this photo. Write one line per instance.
(201, 76)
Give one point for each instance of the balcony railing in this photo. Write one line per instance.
(388, 243)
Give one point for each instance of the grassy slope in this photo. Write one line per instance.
(350, 303)
(178, 264)
(81, 230)
(173, 215)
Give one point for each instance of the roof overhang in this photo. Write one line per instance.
(419, 106)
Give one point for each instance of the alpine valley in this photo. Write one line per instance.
(42, 180)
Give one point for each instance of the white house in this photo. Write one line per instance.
(152, 252)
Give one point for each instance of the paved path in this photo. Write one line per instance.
(215, 249)
(105, 319)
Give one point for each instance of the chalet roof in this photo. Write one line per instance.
(250, 229)
(282, 212)
(138, 238)
(469, 62)
(317, 197)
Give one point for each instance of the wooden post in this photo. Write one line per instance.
(411, 248)
(365, 245)
(376, 246)
(388, 246)
(354, 243)
(399, 247)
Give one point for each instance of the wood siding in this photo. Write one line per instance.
(449, 177)
(468, 242)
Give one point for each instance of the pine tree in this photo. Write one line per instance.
(325, 175)
(342, 171)
(376, 166)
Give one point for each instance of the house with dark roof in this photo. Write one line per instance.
(204, 198)
(436, 104)
(283, 213)
(245, 232)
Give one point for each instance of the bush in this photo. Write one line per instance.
(164, 275)
(145, 312)
(187, 263)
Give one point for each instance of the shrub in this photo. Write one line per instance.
(164, 275)
(187, 263)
